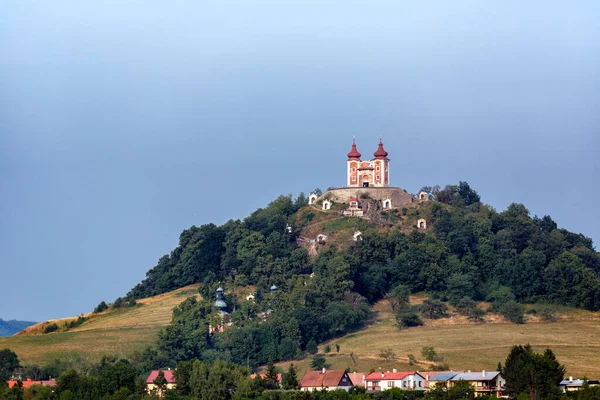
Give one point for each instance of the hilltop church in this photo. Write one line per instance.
(364, 174)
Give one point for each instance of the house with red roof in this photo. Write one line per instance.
(264, 376)
(358, 378)
(29, 383)
(169, 376)
(325, 380)
(377, 381)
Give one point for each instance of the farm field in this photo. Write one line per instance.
(118, 332)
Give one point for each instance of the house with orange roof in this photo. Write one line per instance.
(29, 383)
(325, 380)
(377, 381)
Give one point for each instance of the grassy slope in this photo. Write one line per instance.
(114, 332)
(575, 339)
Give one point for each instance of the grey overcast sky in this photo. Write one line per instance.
(123, 122)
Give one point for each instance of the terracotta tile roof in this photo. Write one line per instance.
(389, 376)
(357, 378)
(169, 376)
(320, 379)
(29, 382)
(263, 376)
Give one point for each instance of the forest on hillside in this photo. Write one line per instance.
(473, 253)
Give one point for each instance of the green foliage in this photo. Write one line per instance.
(337, 347)
(429, 353)
(406, 318)
(468, 307)
(312, 347)
(290, 378)
(433, 309)
(327, 349)
(512, 311)
(536, 375)
(9, 361)
(471, 248)
(75, 323)
(318, 362)
(50, 328)
(387, 354)
(412, 360)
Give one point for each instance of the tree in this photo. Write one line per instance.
(429, 353)
(318, 362)
(398, 297)
(387, 354)
(327, 349)
(337, 347)
(312, 347)
(271, 376)
(161, 382)
(9, 361)
(412, 360)
(459, 286)
(290, 379)
(100, 307)
(536, 375)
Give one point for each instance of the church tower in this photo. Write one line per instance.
(374, 173)
(353, 163)
(381, 167)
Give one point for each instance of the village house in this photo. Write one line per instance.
(435, 380)
(377, 381)
(484, 383)
(325, 380)
(264, 376)
(29, 383)
(169, 376)
(357, 378)
(572, 385)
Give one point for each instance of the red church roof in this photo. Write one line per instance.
(380, 153)
(353, 199)
(354, 154)
(169, 376)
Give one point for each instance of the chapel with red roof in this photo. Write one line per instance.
(364, 173)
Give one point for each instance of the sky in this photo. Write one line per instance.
(124, 122)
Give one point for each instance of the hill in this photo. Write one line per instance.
(574, 338)
(118, 332)
(9, 328)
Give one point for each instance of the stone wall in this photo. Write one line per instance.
(398, 196)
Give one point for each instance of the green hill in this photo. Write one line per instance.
(118, 332)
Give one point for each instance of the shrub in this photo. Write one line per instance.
(412, 360)
(132, 303)
(512, 311)
(429, 353)
(51, 328)
(468, 307)
(434, 309)
(101, 307)
(327, 349)
(547, 313)
(408, 318)
(75, 323)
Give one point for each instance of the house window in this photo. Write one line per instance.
(420, 383)
(390, 384)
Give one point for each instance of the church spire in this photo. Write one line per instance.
(354, 154)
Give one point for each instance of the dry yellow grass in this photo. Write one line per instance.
(113, 332)
(575, 338)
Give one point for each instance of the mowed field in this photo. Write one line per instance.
(118, 332)
(575, 339)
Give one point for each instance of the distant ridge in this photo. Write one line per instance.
(9, 328)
